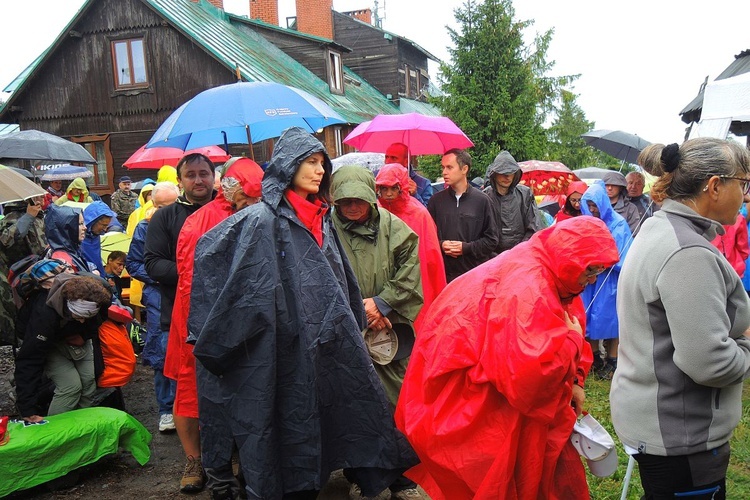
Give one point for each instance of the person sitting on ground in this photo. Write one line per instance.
(600, 298)
(113, 271)
(97, 217)
(58, 326)
(572, 206)
(77, 191)
(123, 200)
(496, 376)
(616, 186)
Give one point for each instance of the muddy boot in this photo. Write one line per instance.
(193, 478)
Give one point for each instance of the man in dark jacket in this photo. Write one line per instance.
(643, 202)
(464, 218)
(513, 204)
(616, 191)
(196, 175)
(278, 317)
(123, 200)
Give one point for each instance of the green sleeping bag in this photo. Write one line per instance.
(39, 453)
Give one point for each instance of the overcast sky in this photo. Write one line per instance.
(640, 61)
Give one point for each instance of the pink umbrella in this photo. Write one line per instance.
(422, 134)
(160, 156)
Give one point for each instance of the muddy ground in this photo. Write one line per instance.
(120, 476)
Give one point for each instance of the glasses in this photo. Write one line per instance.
(576, 201)
(594, 271)
(745, 183)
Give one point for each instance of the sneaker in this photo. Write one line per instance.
(407, 494)
(193, 478)
(166, 423)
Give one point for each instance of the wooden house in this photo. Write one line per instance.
(125, 65)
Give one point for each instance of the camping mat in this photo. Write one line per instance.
(39, 453)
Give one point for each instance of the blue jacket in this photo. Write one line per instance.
(424, 187)
(135, 262)
(601, 316)
(61, 230)
(91, 246)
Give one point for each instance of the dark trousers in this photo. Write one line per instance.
(693, 477)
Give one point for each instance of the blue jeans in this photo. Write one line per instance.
(155, 350)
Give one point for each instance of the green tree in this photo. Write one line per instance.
(565, 142)
(496, 88)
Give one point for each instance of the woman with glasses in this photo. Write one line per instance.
(684, 316)
(572, 206)
(278, 318)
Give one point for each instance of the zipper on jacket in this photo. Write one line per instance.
(717, 394)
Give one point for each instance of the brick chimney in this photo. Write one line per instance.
(216, 3)
(265, 10)
(364, 15)
(315, 17)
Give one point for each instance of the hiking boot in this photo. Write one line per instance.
(606, 372)
(222, 493)
(193, 478)
(166, 423)
(407, 494)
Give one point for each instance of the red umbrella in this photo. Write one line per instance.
(160, 156)
(546, 177)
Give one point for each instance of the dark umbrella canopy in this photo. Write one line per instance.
(622, 145)
(36, 145)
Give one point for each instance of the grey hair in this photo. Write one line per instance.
(699, 160)
(634, 173)
(164, 186)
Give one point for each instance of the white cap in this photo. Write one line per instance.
(593, 442)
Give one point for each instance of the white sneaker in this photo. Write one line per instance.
(166, 423)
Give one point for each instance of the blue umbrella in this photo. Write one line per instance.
(242, 113)
(64, 172)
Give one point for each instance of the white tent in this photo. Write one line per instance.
(724, 101)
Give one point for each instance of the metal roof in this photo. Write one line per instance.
(412, 106)
(258, 59)
(291, 32)
(740, 65)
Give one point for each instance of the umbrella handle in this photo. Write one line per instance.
(250, 142)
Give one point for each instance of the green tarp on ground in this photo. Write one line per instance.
(39, 453)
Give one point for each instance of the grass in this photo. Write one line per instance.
(610, 488)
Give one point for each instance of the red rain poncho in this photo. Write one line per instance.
(416, 216)
(567, 211)
(180, 363)
(486, 402)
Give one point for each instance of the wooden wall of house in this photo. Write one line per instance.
(410, 58)
(373, 57)
(310, 53)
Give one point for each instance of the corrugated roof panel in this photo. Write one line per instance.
(412, 106)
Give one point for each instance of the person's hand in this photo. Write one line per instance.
(412, 187)
(34, 419)
(375, 319)
(453, 248)
(573, 323)
(75, 340)
(33, 210)
(579, 398)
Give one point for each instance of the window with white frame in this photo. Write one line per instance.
(335, 72)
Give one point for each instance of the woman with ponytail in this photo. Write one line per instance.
(684, 315)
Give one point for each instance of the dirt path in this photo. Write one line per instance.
(120, 477)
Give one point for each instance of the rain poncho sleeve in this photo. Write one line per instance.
(487, 398)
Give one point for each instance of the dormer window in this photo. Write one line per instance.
(335, 72)
(129, 62)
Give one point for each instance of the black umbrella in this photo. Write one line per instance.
(621, 145)
(23, 172)
(36, 145)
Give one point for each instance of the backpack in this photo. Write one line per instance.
(33, 278)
